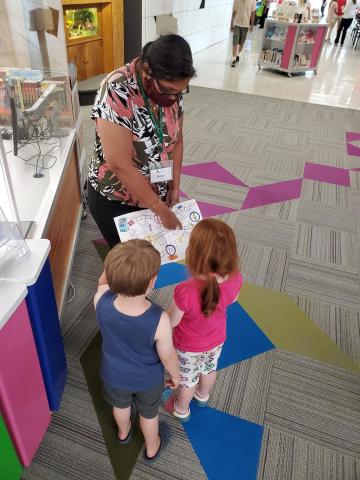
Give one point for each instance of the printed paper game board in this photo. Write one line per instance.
(146, 225)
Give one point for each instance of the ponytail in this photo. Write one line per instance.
(210, 295)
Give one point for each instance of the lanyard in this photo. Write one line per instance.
(157, 125)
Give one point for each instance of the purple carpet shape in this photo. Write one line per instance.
(212, 171)
(324, 173)
(273, 193)
(211, 210)
(352, 149)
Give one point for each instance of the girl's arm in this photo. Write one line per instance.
(102, 279)
(175, 314)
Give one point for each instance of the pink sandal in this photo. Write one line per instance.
(169, 404)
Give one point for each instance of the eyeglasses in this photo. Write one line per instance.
(168, 93)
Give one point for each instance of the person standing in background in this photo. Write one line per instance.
(349, 15)
(323, 6)
(331, 19)
(243, 17)
(340, 11)
(265, 13)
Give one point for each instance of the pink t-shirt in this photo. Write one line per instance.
(195, 332)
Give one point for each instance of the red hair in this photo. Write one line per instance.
(212, 251)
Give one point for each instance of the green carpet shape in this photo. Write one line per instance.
(289, 328)
(122, 457)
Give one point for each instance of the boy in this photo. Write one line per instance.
(137, 343)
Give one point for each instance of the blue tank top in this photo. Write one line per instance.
(129, 357)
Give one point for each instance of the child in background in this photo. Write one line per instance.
(198, 312)
(136, 343)
(331, 19)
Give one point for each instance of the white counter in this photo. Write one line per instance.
(28, 270)
(35, 197)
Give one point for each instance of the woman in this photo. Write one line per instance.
(348, 16)
(139, 118)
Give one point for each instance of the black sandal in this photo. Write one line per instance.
(165, 435)
(132, 425)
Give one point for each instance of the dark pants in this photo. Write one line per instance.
(104, 211)
(323, 5)
(263, 17)
(343, 27)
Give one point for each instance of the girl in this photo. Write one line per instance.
(331, 19)
(198, 312)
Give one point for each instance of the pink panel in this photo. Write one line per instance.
(23, 400)
(289, 42)
(319, 37)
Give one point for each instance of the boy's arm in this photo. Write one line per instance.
(166, 350)
(102, 288)
(175, 314)
(103, 279)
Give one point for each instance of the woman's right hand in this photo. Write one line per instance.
(167, 217)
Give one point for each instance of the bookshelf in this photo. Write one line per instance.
(291, 47)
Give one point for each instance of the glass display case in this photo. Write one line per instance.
(36, 114)
(39, 171)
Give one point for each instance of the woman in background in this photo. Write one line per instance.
(349, 15)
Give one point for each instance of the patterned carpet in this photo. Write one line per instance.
(286, 177)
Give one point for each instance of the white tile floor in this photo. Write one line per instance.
(337, 82)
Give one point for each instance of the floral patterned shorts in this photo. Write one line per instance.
(193, 364)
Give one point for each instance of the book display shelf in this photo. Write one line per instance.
(291, 47)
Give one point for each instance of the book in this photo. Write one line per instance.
(271, 56)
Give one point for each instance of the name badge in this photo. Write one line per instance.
(162, 173)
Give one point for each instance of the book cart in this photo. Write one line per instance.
(291, 47)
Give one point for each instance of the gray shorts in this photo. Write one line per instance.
(147, 402)
(239, 35)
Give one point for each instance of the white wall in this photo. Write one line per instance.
(201, 27)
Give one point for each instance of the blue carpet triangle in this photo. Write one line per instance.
(171, 273)
(228, 447)
(244, 338)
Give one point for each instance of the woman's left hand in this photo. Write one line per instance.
(172, 197)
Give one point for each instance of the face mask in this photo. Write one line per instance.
(152, 92)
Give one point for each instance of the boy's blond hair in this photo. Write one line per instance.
(130, 266)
